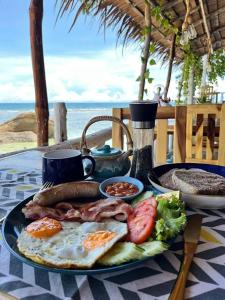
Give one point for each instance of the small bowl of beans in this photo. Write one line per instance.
(123, 187)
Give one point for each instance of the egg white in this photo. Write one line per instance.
(65, 248)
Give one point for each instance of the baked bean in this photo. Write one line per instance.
(121, 189)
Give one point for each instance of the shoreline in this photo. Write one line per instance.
(11, 147)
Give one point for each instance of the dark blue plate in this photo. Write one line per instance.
(160, 170)
(15, 222)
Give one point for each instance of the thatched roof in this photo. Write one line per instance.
(127, 16)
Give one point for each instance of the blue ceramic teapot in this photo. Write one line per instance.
(109, 161)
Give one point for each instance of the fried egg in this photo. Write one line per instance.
(69, 244)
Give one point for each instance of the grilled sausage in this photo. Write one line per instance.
(66, 191)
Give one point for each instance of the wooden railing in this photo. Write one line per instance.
(170, 132)
(93, 140)
(163, 132)
(173, 133)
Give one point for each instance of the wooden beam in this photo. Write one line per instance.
(206, 26)
(210, 15)
(41, 98)
(217, 29)
(214, 45)
(164, 112)
(170, 67)
(171, 4)
(141, 14)
(135, 8)
(194, 10)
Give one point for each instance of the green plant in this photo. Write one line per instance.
(216, 70)
(163, 21)
(217, 65)
(202, 99)
(192, 63)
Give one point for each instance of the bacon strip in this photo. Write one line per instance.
(89, 212)
(36, 212)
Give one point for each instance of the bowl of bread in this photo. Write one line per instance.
(201, 185)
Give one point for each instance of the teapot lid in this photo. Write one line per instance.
(106, 150)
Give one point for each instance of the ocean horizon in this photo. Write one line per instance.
(78, 113)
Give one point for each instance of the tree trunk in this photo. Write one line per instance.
(41, 98)
(145, 51)
(170, 67)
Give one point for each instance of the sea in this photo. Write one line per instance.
(78, 114)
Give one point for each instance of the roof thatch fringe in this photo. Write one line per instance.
(128, 30)
(127, 18)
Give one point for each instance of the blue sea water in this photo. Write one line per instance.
(78, 114)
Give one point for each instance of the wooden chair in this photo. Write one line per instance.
(205, 134)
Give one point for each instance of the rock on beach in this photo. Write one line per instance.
(22, 128)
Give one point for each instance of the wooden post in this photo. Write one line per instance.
(191, 86)
(170, 67)
(41, 99)
(179, 145)
(60, 129)
(161, 146)
(117, 131)
(146, 50)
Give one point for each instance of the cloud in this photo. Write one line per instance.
(93, 76)
(98, 76)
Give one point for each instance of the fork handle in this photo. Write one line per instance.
(179, 288)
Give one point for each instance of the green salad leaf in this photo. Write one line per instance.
(171, 217)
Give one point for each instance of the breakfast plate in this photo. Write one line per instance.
(15, 223)
(11, 229)
(192, 200)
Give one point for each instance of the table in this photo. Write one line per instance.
(151, 280)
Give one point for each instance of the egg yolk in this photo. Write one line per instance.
(97, 239)
(44, 228)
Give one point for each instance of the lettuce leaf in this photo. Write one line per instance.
(171, 217)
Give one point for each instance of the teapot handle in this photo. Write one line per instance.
(83, 145)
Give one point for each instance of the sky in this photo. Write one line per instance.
(81, 65)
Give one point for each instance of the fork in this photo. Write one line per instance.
(45, 186)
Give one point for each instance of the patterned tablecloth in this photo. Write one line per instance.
(152, 280)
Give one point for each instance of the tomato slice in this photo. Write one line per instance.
(150, 200)
(142, 221)
(147, 206)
